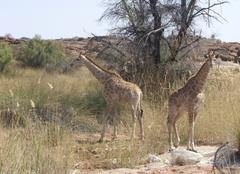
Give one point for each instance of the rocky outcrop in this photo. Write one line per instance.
(96, 46)
(226, 51)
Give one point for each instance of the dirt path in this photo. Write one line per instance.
(189, 169)
(168, 170)
(164, 166)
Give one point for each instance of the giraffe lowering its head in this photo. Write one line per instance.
(116, 90)
(189, 98)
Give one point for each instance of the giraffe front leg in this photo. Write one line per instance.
(103, 131)
(176, 134)
(106, 117)
(115, 129)
(191, 145)
(171, 120)
(114, 133)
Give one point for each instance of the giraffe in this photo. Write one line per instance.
(116, 90)
(189, 98)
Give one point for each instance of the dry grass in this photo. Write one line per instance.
(32, 150)
(61, 131)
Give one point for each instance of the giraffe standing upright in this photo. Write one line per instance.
(116, 90)
(189, 98)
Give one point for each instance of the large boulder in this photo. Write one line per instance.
(185, 157)
(154, 158)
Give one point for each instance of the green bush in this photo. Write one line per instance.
(6, 55)
(38, 53)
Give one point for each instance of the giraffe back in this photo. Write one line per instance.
(119, 90)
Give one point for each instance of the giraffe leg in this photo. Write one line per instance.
(170, 128)
(140, 120)
(134, 110)
(172, 118)
(114, 126)
(191, 146)
(105, 121)
(176, 134)
(178, 115)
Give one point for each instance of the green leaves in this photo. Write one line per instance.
(6, 55)
(38, 53)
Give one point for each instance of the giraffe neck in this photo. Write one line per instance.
(201, 77)
(195, 84)
(98, 73)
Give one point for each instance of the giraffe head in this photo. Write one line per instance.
(210, 57)
(77, 63)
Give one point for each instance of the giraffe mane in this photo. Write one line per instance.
(105, 70)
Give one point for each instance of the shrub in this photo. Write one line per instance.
(38, 53)
(6, 55)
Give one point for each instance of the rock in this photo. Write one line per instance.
(154, 158)
(185, 157)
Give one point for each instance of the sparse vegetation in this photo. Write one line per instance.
(38, 53)
(6, 55)
(61, 130)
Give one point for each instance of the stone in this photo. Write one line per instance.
(185, 157)
(154, 158)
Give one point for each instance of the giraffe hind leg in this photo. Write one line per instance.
(134, 115)
(176, 135)
(140, 120)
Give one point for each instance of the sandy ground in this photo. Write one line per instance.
(189, 169)
(204, 167)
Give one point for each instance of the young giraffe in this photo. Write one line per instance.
(116, 90)
(189, 98)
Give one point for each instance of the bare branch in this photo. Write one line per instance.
(154, 32)
(189, 44)
(209, 8)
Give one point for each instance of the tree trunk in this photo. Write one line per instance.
(156, 49)
(182, 31)
(156, 36)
